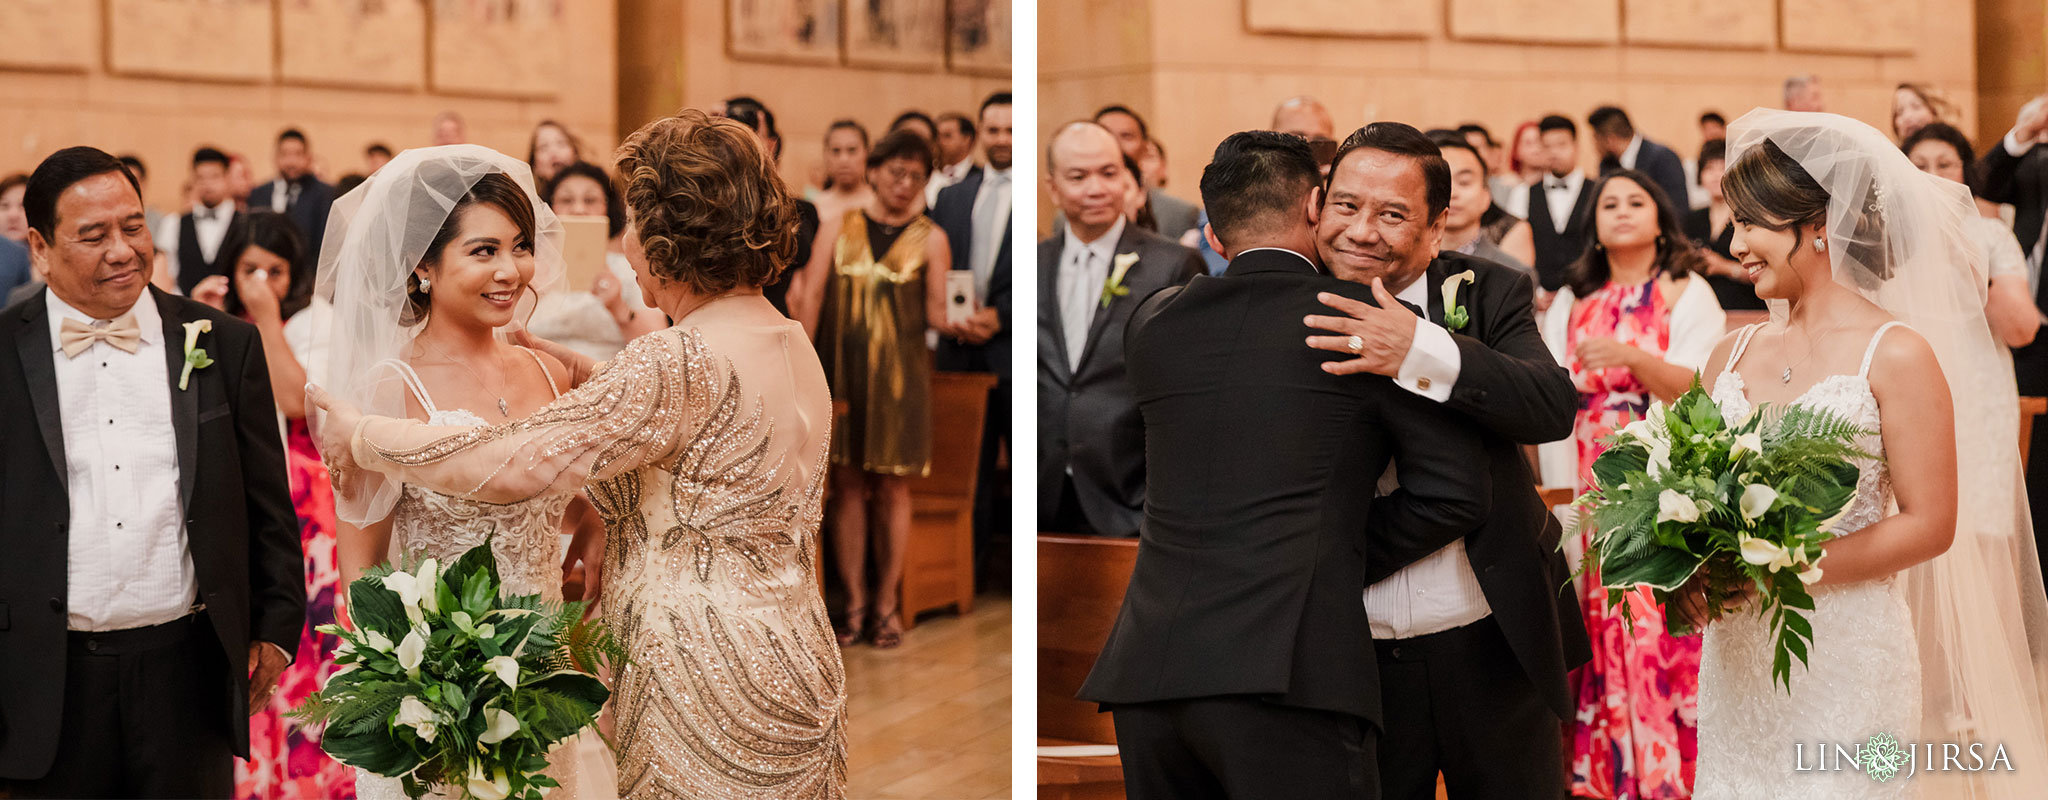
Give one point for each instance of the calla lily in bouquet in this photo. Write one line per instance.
(1681, 493)
(450, 685)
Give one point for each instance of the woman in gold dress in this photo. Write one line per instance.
(876, 281)
(703, 448)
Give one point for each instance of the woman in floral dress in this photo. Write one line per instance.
(1632, 325)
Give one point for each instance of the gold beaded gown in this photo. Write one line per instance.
(871, 335)
(703, 447)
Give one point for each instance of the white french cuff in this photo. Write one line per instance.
(1432, 364)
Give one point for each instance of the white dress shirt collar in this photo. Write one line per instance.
(1103, 247)
(148, 321)
(1628, 156)
(218, 213)
(1311, 261)
(1416, 293)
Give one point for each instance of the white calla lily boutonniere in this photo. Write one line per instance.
(1114, 287)
(195, 356)
(1455, 316)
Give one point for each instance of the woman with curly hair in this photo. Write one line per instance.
(703, 446)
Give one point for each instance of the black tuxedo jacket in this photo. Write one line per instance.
(309, 213)
(1260, 515)
(2022, 181)
(954, 212)
(1510, 386)
(1087, 418)
(243, 533)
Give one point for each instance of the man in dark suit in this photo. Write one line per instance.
(1621, 147)
(975, 214)
(2015, 171)
(1558, 208)
(1474, 638)
(1239, 665)
(1091, 443)
(296, 192)
(153, 558)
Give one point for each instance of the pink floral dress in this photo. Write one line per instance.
(1635, 733)
(286, 763)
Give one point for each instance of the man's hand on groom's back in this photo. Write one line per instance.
(1379, 336)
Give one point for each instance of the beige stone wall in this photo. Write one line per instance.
(1198, 74)
(163, 119)
(657, 77)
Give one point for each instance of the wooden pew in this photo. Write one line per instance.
(1081, 584)
(938, 564)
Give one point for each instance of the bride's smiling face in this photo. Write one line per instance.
(1779, 262)
(482, 271)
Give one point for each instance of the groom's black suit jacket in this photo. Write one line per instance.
(1259, 502)
(242, 531)
(1509, 386)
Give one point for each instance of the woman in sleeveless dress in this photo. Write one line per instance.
(874, 284)
(476, 262)
(703, 447)
(1916, 635)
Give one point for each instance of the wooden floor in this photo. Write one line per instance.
(931, 719)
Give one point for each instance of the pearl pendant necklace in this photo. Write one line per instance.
(507, 410)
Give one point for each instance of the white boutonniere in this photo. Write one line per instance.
(1455, 316)
(1114, 287)
(195, 356)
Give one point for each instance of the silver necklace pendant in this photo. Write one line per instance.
(1786, 377)
(507, 410)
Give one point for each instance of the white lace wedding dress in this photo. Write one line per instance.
(1863, 676)
(527, 547)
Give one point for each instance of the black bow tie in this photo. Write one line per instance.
(205, 215)
(1414, 308)
(1556, 183)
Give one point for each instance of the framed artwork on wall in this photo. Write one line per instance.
(793, 31)
(978, 37)
(904, 34)
(498, 48)
(377, 44)
(227, 40)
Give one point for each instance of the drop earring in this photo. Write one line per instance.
(1820, 245)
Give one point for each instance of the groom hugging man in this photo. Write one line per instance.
(1243, 664)
(1240, 664)
(152, 584)
(1473, 637)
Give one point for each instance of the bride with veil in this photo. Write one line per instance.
(427, 263)
(1930, 625)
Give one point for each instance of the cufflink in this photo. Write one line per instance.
(1422, 383)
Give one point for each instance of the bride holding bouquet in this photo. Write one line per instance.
(1924, 617)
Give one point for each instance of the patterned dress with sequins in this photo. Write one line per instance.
(1863, 673)
(525, 542)
(704, 449)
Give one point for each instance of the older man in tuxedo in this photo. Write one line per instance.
(975, 214)
(1091, 443)
(153, 584)
(1474, 636)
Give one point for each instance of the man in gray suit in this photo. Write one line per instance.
(1175, 216)
(1091, 441)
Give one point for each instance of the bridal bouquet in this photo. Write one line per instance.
(1681, 492)
(450, 686)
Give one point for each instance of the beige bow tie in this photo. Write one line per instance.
(77, 336)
